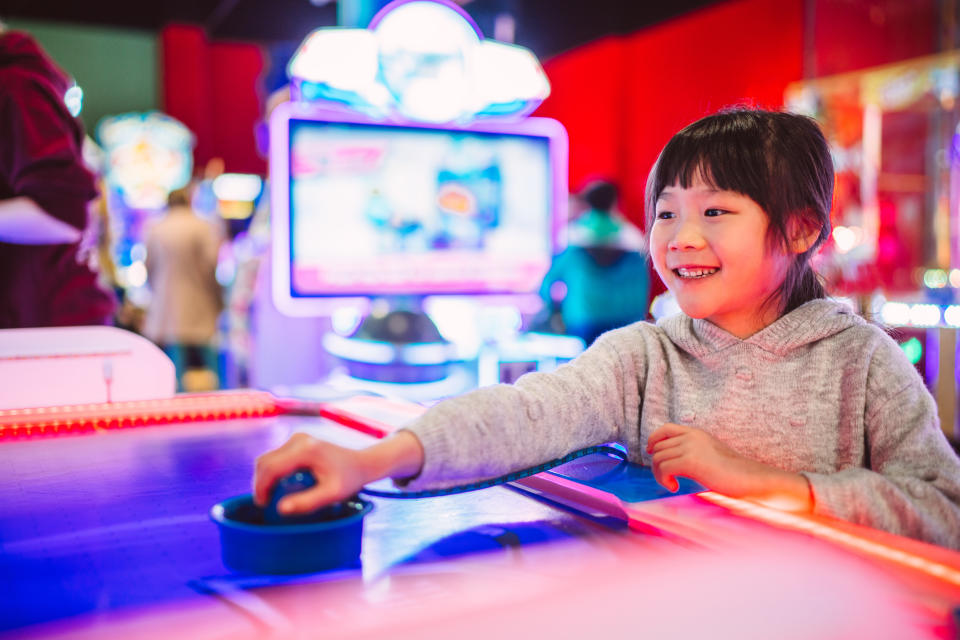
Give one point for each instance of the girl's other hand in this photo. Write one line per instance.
(338, 472)
(681, 450)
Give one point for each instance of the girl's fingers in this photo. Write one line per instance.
(670, 454)
(269, 468)
(664, 445)
(658, 476)
(667, 474)
(309, 499)
(273, 465)
(666, 481)
(669, 430)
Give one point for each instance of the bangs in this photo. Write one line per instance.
(725, 155)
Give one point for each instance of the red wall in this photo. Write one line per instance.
(587, 95)
(880, 32)
(213, 89)
(621, 98)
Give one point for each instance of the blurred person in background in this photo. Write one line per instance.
(45, 190)
(601, 280)
(186, 298)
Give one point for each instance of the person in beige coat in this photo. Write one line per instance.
(182, 253)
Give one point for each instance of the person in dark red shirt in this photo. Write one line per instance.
(44, 192)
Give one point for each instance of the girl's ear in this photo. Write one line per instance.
(804, 230)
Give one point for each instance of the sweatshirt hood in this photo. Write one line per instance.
(20, 50)
(808, 323)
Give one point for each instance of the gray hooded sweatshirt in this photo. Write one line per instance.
(819, 392)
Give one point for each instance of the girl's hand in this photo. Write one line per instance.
(338, 472)
(680, 450)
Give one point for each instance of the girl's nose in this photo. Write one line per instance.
(686, 237)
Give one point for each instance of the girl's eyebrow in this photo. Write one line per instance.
(705, 190)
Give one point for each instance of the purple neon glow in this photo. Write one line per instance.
(380, 15)
(932, 362)
(102, 533)
(423, 276)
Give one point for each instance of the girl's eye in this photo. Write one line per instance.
(664, 215)
(712, 213)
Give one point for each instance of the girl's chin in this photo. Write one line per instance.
(693, 310)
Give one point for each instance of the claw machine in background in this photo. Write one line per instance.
(895, 246)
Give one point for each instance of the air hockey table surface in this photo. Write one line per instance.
(108, 533)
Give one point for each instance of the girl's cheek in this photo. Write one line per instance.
(658, 253)
(657, 241)
(660, 269)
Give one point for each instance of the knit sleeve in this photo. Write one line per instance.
(496, 430)
(911, 483)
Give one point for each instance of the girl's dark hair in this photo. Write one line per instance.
(781, 161)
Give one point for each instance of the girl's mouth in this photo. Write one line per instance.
(693, 273)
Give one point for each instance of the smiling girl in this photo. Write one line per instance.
(762, 388)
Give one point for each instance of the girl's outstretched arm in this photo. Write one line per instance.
(504, 428)
(482, 434)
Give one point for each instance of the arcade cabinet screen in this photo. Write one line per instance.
(381, 209)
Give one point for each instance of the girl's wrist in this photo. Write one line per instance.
(398, 456)
(783, 490)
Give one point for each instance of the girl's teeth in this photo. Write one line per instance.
(696, 273)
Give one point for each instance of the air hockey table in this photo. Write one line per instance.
(105, 532)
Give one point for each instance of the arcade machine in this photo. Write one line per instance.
(895, 249)
(114, 523)
(413, 198)
(147, 156)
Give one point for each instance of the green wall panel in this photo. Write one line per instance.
(116, 68)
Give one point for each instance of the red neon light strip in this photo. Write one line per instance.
(365, 425)
(16, 424)
(861, 544)
(51, 421)
(353, 412)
